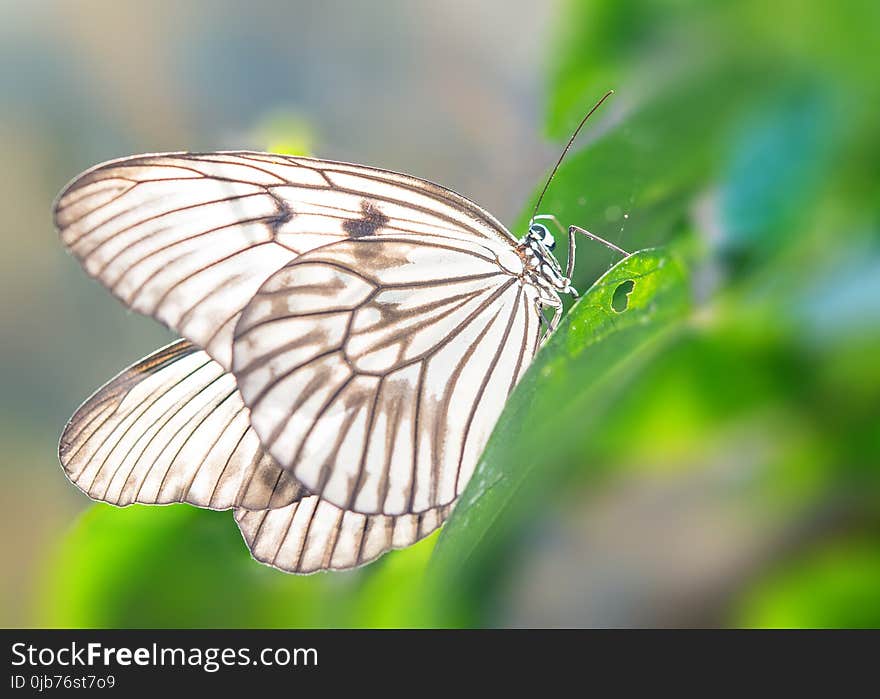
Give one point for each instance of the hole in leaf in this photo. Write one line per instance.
(620, 300)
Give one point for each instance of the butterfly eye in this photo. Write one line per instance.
(541, 233)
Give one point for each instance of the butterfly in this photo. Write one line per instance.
(349, 338)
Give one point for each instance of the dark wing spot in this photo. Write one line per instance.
(373, 219)
(283, 215)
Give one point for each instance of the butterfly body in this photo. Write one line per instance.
(350, 338)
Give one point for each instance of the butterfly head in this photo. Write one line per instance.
(541, 234)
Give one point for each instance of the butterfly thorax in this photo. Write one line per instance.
(535, 249)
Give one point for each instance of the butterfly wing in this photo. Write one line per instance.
(312, 535)
(173, 428)
(188, 238)
(376, 368)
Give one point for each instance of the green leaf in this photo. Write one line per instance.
(547, 420)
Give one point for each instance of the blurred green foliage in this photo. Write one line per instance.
(155, 567)
(833, 587)
(743, 139)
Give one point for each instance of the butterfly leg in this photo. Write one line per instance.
(553, 323)
(611, 246)
(569, 265)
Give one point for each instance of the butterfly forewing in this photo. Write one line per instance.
(188, 238)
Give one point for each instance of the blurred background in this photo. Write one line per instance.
(727, 477)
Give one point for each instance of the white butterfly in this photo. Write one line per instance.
(351, 336)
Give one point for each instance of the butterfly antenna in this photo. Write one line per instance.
(567, 148)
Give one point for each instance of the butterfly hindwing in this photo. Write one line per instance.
(312, 535)
(172, 428)
(375, 369)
